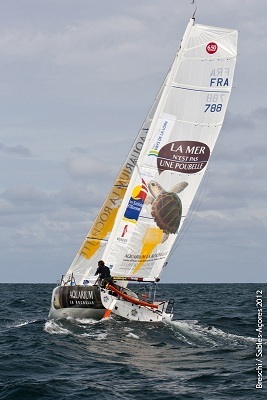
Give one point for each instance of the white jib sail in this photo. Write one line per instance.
(84, 264)
(175, 154)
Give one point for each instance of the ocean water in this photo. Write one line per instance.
(207, 352)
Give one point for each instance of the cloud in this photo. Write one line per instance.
(82, 196)
(25, 199)
(89, 167)
(239, 121)
(18, 150)
(260, 113)
(77, 81)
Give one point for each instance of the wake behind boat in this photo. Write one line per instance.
(144, 211)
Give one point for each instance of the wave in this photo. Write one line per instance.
(132, 335)
(53, 327)
(76, 327)
(192, 333)
(20, 323)
(17, 303)
(187, 332)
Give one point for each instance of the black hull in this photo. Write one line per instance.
(79, 301)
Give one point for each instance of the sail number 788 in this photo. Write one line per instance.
(214, 102)
(213, 107)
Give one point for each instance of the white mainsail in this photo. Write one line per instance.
(145, 209)
(175, 154)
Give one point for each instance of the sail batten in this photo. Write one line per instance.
(200, 89)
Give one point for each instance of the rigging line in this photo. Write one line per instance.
(198, 203)
(194, 4)
(194, 212)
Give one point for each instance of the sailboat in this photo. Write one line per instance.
(144, 211)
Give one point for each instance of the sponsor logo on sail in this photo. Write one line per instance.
(154, 151)
(136, 202)
(124, 230)
(188, 157)
(128, 223)
(163, 130)
(211, 48)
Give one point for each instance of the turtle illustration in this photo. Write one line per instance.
(166, 207)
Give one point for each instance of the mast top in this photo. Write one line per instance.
(193, 16)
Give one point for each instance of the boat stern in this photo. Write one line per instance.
(78, 301)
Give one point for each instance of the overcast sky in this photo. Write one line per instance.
(77, 78)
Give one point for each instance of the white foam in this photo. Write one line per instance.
(95, 335)
(19, 324)
(127, 328)
(133, 336)
(86, 321)
(101, 336)
(192, 333)
(52, 327)
(230, 336)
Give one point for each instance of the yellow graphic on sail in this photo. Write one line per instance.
(91, 245)
(151, 239)
(104, 222)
